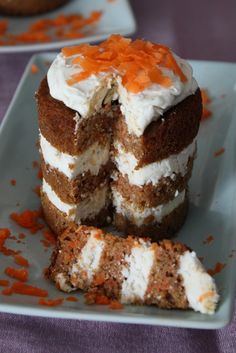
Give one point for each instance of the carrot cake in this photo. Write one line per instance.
(131, 270)
(118, 124)
(28, 7)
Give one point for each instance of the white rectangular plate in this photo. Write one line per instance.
(117, 18)
(212, 207)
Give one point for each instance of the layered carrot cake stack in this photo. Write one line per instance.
(118, 124)
(131, 270)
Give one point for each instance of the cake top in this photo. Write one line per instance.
(138, 62)
(146, 78)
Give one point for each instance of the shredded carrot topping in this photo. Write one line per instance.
(4, 282)
(218, 268)
(20, 260)
(28, 219)
(138, 62)
(206, 113)
(45, 30)
(50, 302)
(21, 274)
(219, 152)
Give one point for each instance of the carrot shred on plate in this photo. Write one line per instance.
(64, 26)
(219, 152)
(206, 113)
(28, 219)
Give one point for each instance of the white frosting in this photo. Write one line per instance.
(62, 282)
(138, 216)
(136, 272)
(89, 258)
(72, 165)
(87, 208)
(139, 109)
(127, 163)
(199, 286)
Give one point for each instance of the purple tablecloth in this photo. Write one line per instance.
(194, 29)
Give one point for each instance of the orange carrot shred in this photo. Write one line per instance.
(115, 305)
(72, 299)
(20, 260)
(25, 289)
(28, 219)
(51, 302)
(4, 282)
(209, 239)
(102, 300)
(20, 274)
(217, 269)
(13, 182)
(34, 69)
(219, 152)
(206, 113)
(7, 291)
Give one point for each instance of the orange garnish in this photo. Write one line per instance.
(20, 260)
(115, 305)
(25, 289)
(40, 174)
(48, 29)
(218, 268)
(205, 296)
(21, 274)
(49, 238)
(3, 27)
(72, 299)
(138, 62)
(51, 302)
(28, 219)
(206, 113)
(34, 69)
(219, 152)
(4, 282)
(4, 235)
(13, 182)
(102, 300)
(37, 189)
(7, 291)
(98, 280)
(35, 164)
(209, 239)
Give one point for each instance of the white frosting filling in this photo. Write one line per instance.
(127, 163)
(87, 208)
(199, 286)
(139, 109)
(62, 282)
(72, 165)
(89, 258)
(138, 216)
(136, 272)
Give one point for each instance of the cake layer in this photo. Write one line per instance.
(150, 195)
(87, 208)
(58, 220)
(165, 137)
(166, 228)
(148, 214)
(71, 166)
(177, 164)
(64, 128)
(140, 272)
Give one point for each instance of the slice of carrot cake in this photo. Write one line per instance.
(118, 124)
(131, 270)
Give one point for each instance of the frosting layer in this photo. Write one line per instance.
(139, 109)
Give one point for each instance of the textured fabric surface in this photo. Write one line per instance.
(194, 29)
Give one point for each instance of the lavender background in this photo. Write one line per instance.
(195, 30)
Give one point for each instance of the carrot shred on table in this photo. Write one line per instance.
(7, 291)
(72, 299)
(209, 239)
(28, 219)
(102, 300)
(4, 235)
(19, 274)
(115, 305)
(3, 27)
(219, 152)
(26, 289)
(13, 182)
(37, 189)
